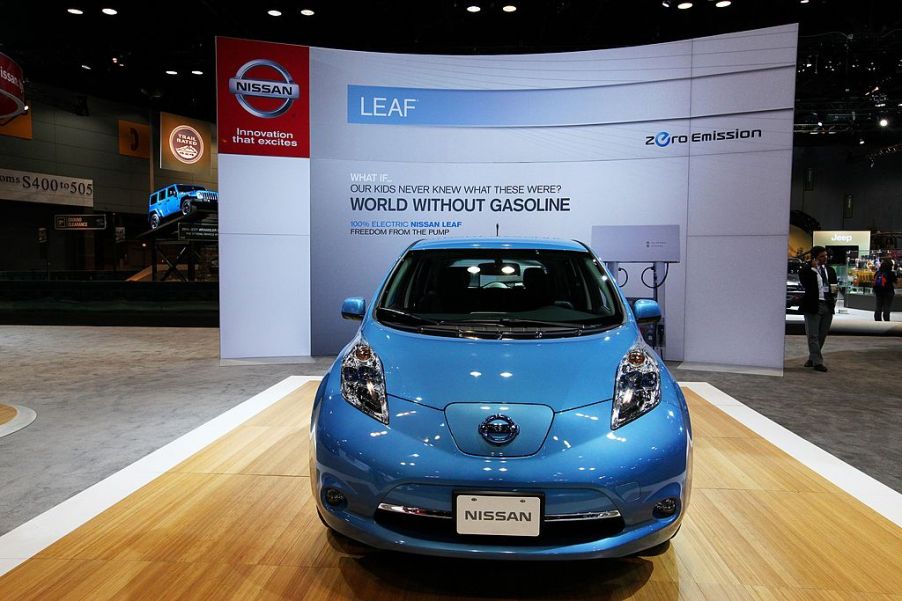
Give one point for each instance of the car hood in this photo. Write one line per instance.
(562, 373)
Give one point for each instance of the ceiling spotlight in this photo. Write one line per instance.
(723, 3)
(25, 108)
(665, 3)
(684, 5)
(274, 13)
(307, 12)
(820, 123)
(509, 8)
(197, 72)
(109, 11)
(883, 122)
(171, 72)
(75, 11)
(86, 67)
(473, 9)
(803, 1)
(860, 141)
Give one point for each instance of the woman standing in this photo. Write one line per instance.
(884, 289)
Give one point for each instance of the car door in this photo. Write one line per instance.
(172, 201)
(154, 205)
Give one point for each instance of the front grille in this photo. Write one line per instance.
(552, 532)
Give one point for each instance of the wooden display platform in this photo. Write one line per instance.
(236, 521)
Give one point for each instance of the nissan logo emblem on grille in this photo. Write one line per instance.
(498, 429)
(245, 88)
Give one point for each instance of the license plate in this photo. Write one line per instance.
(497, 514)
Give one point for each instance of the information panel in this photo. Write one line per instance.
(693, 138)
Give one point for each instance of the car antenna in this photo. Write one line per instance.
(497, 229)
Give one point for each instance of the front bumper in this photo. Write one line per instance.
(582, 467)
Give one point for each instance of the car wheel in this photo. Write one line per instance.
(154, 221)
(187, 207)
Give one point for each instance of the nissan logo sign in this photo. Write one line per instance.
(498, 430)
(244, 88)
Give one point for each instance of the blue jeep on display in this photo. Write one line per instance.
(179, 198)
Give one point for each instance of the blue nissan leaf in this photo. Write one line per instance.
(498, 401)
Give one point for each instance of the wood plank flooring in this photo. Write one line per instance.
(236, 521)
(7, 413)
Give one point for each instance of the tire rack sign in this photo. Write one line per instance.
(79, 222)
(41, 187)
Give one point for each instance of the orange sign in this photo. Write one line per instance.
(185, 144)
(18, 127)
(134, 139)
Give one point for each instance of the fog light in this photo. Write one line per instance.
(666, 507)
(335, 497)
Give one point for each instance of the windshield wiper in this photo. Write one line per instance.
(410, 317)
(517, 321)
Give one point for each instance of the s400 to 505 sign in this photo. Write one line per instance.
(49, 184)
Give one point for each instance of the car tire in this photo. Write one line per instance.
(154, 221)
(187, 207)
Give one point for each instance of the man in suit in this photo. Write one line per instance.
(819, 281)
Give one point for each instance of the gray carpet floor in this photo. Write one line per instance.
(105, 397)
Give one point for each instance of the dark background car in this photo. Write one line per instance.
(794, 289)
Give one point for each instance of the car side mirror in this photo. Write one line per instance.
(353, 308)
(647, 311)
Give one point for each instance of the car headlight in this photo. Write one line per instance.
(363, 381)
(637, 389)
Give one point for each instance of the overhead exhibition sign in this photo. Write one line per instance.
(693, 138)
(263, 98)
(26, 186)
(12, 88)
(134, 139)
(185, 144)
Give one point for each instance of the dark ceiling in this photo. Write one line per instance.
(849, 68)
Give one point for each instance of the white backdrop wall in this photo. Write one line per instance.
(621, 134)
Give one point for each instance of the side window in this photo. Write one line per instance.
(171, 192)
(154, 198)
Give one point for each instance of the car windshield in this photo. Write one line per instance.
(499, 293)
(187, 188)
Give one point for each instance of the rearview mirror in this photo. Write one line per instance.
(647, 311)
(353, 308)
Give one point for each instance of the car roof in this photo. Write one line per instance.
(517, 243)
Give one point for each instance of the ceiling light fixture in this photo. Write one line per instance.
(665, 3)
(274, 13)
(861, 141)
(307, 12)
(109, 11)
(723, 4)
(86, 67)
(803, 1)
(473, 9)
(684, 5)
(509, 8)
(75, 11)
(884, 122)
(171, 72)
(197, 72)
(820, 123)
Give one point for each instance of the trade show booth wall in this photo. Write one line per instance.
(332, 162)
